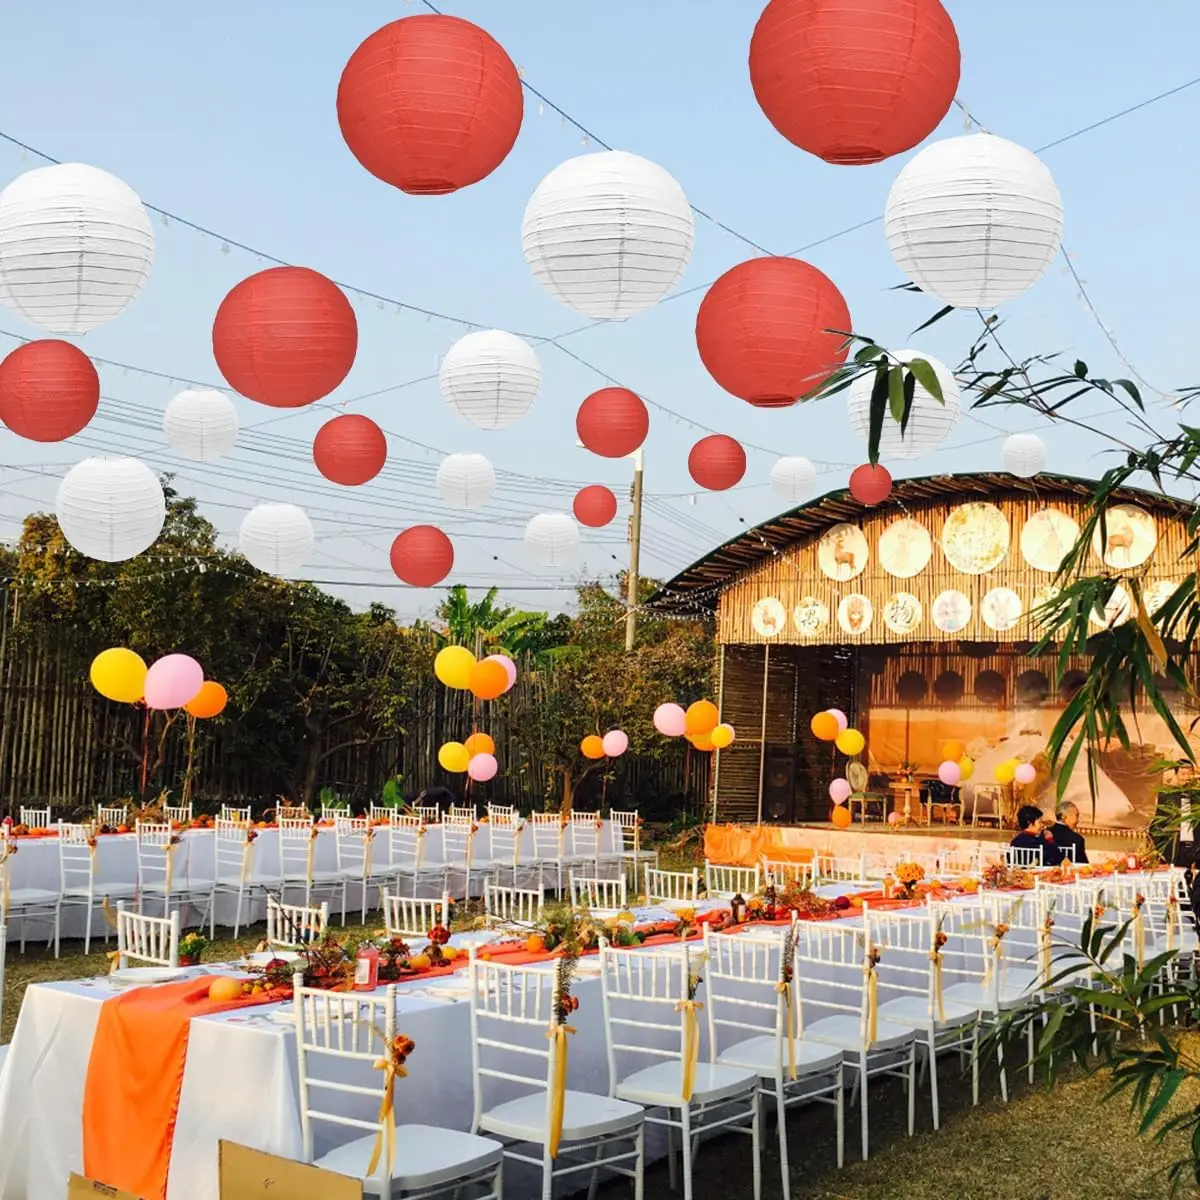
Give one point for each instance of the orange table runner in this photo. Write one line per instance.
(134, 1076)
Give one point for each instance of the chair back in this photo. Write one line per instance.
(381, 812)
(406, 841)
(462, 812)
(35, 818)
(505, 838)
(1023, 856)
(112, 815)
(233, 851)
(724, 882)
(231, 812)
(959, 860)
(904, 940)
(585, 834)
(331, 812)
(834, 957)
(293, 812)
(352, 840)
(549, 833)
(588, 891)
(297, 847)
(497, 813)
(177, 814)
(430, 814)
(778, 873)
(290, 926)
(626, 825)
(747, 982)
(458, 841)
(154, 848)
(510, 905)
(840, 868)
(150, 940)
(671, 885)
(76, 857)
(408, 917)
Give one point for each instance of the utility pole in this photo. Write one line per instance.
(635, 546)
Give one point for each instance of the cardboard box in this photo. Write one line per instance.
(88, 1189)
(247, 1174)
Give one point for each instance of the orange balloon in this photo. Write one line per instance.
(953, 750)
(209, 701)
(488, 680)
(480, 743)
(825, 726)
(841, 817)
(592, 745)
(702, 741)
(701, 717)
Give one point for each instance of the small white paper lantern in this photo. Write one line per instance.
(793, 479)
(466, 480)
(110, 508)
(552, 538)
(929, 422)
(1024, 454)
(608, 234)
(76, 246)
(201, 424)
(276, 538)
(490, 378)
(974, 220)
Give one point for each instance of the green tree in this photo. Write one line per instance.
(496, 627)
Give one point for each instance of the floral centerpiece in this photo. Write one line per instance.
(191, 948)
(1000, 875)
(908, 875)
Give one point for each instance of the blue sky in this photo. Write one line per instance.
(224, 113)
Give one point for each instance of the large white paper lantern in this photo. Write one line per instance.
(929, 422)
(110, 508)
(793, 479)
(466, 480)
(276, 538)
(608, 234)
(1024, 454)
(974, 220)
(201, 423)
(76, 245)
(552, 538)
(490, 378)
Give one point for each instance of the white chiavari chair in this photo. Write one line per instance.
(504, 834)
(778, 873)
(153, 941)
(290, 926)
(502, 812)
(648, 1015)
(354, 840)
(958, 860)
(588, 891)
(232, 812)
(840, 868)
(298, 870)
(177, 815)
(672, 885)
(408, 917)
(77, 849)
(588, 850)
(380, 813)
(463, 812)
(235, 851)
(549, 836)
(160, 876)
(331, 812)
(408, 869)
(293, 812)
(723, 883)
(35, 818)
(511, 906)
(460, 857)
(626, 825)
(430, 814)
(36, 905)
(1025, 857)
(112, 816)
(340, 1043)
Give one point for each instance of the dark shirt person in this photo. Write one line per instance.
(1065, 835)
(1032, 836)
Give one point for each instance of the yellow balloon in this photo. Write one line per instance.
(722, 736)
(850, 742)
(453, 667)
(967, 767)
(118, 674)
(454, 757)
(1005, 771)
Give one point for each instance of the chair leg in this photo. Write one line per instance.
(639, 1164)
(863, 1105)
(1003, 1072)
(912, 1088)
(933, 1079)
(547, 1174)
(975, 1066)
(839, 1108)
(87, 925)
(781, 1122)
(685, 1136)
(756, 1141)
(57, 930)
(672, 1171)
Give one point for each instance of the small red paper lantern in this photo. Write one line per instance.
(854, 82)
(594, 506)
(765, 330)
(49, 390)
(612, 422)
(350, 449)
(717, 462)
(870, 485)
(430, 104)
(422, 556)
(285, 337)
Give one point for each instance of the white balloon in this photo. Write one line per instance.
(466, 480)
(793, 479)
(201, 423)
(110, 508)
(974, 220)
(929, 422)
(552, 538)
(277, 538)
(490, 378)
(1024, 454)
(608, 234)
(76, 246)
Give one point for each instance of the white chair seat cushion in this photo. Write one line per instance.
(180, 883)
(101, 890)
(425, 1156)
(762, 1055)
(584, 1115)
(846, 1032)
(31, 897)
(662, 1083)
(914, 1011)
(977, 995)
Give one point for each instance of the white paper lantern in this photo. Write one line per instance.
(276, 538)
(793, 479)
(201, 424)
(110, 508)
(608, 234)
(490, 378)
(76, 245)
(929, 422)
(552, 538)
(974, 220)
(466, 480)
(1024, 454)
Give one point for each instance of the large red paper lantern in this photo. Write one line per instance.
(422, 556)
(854, 82)
(612, 422)
(717, 462)
(430, 104)
(870, 485)
(350, 449)
(285, 337)
(771, 330)
(49, 390)
(594, 506)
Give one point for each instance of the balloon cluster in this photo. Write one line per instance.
(174, 681)
(833, 725)
(476, 757)
(700, 723)
(485, 678)
(1013, 770)
(957, 766)
(612, 745)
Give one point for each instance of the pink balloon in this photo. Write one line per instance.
(510, 667)
(173, 681)
(1025, 773)
(615, 742)
(482, 767)
(839, 791)
(670, 720)
(893, 818)
(841, 718)
(950, 773)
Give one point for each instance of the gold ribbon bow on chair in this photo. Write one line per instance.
(1139, 931)
(1045, 950)
(312, 849)
(247, 854)
(170, 848)
(784, 988)
(1172, 917)
(935, 958)
(395, 1055)
(995, 967)
(691, 1045)
(557, 1034)
(872, 979)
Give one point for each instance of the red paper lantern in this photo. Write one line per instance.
(765, 330)
(285, 337)
(717, 462)
(854, 82)
(870, 485)
(350, 449)
(594, 506)
(612, 422)
(49, 390)
(430, 104)
(422, 556)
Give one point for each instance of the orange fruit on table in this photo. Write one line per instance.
(420, 962)
(535, 944)
(450, 953)
(223, 989)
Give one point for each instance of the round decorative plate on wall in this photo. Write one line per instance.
(1047, 537)
(902, 613)
(1129, 536)
(1001, 609)
(842, 552)
(951, 611)
(855, 613)
(905, 548)
(975, 538)
(810, 617)
(769, 617)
